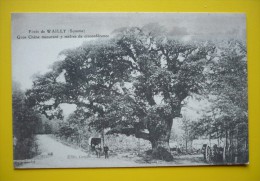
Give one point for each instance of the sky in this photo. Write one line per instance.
(35, 56)
(31, 56)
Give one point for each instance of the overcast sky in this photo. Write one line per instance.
(35, 56)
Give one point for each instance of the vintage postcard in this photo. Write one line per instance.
(129, 89)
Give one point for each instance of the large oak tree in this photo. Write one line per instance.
(133, 83)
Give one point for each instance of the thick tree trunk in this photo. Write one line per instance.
(163, 143)
(161, 149)
(160, 142)
(159, 136)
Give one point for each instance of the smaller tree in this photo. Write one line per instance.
(189, 132)
(25, 121)
(76, 129)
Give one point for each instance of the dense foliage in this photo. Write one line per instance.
(227, 117)
(25, 121)
(135, 83)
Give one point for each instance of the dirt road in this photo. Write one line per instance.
(57, 155)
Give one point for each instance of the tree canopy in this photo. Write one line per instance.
(133, 83)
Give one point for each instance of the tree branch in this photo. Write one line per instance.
(130, 131)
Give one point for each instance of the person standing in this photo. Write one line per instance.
(98, 150)
(106, 151)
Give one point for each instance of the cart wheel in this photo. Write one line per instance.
(208, 153)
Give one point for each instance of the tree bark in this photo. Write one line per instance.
(163, 142)
(160, 142)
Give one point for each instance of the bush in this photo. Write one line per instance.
(25, 148)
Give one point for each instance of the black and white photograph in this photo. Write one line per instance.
(93, 90)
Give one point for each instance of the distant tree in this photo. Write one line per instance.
(47, 128)
(25, 121)
(75, 127)
(227, 87)
(119, 81)
(189, 133)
